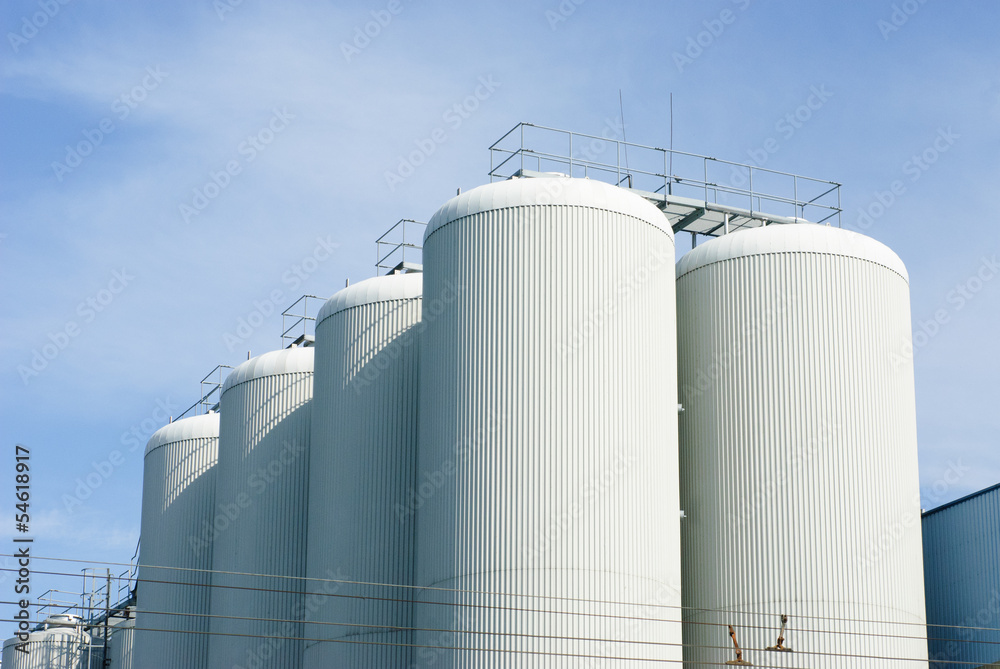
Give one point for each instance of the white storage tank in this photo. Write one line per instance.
(546, 492)
(361, 474)
(178, 517)
(60, 644)
(121, 644)
(798, 450)
(263, 478)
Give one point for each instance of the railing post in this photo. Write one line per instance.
(571, 155)
(704, 162)
(795, 196)
(521, 150)
(666, 175)
(618, 162)
(839, 208)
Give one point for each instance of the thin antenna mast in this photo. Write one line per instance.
(670, 180)
(621, 107)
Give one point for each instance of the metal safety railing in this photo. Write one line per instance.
(102, 591)
(211, 392)
(664, 172)
(400, 247)
(300, 315)
(47, 604)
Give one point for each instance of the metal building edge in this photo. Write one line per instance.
(961, 548)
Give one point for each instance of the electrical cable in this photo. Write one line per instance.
(485, 593)
(535, 611)
(528, 652)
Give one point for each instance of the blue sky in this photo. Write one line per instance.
(100, 258)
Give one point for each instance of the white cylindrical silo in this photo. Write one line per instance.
(258, 558)
(178, 498)
(546, 491)
(361, 475)
(798, 450)
(121, 645)
(60, 644)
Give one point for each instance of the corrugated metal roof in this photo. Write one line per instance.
(379, 289)
(285, 361)
(961, 499)
(194, 427)
(796, 238)
(547, 190)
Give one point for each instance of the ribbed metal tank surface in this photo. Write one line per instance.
(962, 573)
(55, 647)
(178, 502)
(361, 474)
(546, 492)
(798, 450)
(121, 645)
(262, 490)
